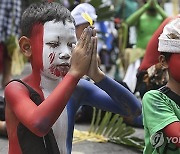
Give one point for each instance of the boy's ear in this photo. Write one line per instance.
(25, 46)
(163, 61)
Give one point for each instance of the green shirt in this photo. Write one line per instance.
(146, 26)
(158, 112)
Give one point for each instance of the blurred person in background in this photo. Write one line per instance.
(161, 116)
(151, 75)
(149, 14)
(10, 13)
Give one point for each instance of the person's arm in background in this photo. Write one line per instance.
(159, 9)
(132, 19)
(3, 128)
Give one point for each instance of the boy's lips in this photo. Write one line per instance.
(60, 70)
(64, 64)
(63, 67)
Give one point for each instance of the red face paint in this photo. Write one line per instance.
(51, 57)
(37, 46)
(56, 50)
(174, 64)
(59, 70)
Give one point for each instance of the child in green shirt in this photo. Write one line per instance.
(161, 108)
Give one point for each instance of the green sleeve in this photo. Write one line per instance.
(157, 111)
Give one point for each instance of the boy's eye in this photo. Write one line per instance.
(53, 44)
(71, 44)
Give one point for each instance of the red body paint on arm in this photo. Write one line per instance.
(173, 130)
(39, 119)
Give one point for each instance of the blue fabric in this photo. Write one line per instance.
(107, 37)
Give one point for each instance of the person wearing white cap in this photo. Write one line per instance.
(104, 43)
(80, 22)
(161, 116)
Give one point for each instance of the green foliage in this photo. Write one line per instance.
(111, 126)
(103, 12)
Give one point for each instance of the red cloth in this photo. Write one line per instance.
(152, 54)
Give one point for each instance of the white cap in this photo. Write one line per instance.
(169, 40)
(83, 8)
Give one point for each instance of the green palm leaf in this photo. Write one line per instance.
(111, 126)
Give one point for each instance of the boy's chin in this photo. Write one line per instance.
(63, 74)
(56, 76)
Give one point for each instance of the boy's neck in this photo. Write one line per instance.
(174, 86)
(49, 84)
(41, 82)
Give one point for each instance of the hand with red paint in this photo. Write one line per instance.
(82, 53)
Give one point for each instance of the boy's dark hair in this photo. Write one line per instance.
(42, 12)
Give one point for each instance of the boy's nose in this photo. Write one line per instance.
(64, 55)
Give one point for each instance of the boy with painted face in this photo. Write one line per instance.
(40, 109)
(161, 108)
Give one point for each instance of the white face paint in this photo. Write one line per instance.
(58, 39)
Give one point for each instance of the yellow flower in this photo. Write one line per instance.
(87, 17)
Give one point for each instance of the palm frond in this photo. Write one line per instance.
(111, 128)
